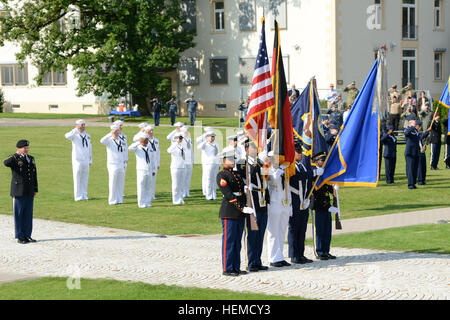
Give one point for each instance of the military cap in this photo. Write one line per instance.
(149, 127)
(22, 143)
(319, 156)
(207, 129)
(228, 153)
(143, 135)
(333, 126)
(353, 82)
(411, 118)
(114, 127)
(118, 122)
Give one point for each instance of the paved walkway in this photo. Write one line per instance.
(78, 251)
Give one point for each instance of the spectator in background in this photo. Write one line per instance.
(408, 115)
(192, 105)
(413, 101)
(422, 102)
(293, 90)
(352, 92)
(157, 106)
(395, 112)
(426, 115)
(394, 93)
(336, 115)
(331, 95)
(346, 113)
(173, 109)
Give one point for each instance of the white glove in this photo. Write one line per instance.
(306, 204)
(333, 210)
(246, 188)
(248, 210)
(336, 187)
(282, 167)
(318, 172)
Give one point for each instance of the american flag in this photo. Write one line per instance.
(261, 96)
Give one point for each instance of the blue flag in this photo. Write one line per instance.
(306, 121)
(354, 159)
(445, 101)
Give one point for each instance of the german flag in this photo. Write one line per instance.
(279, 117)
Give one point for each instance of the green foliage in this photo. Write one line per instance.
(113, 46)
(2, 100)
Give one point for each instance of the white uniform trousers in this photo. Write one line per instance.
(277, 224)
(144, 181)
(80, 180)
(116, 176)
(188, 178)
(178, 176)
(204, 176)
(122, 182)
(153, 185)
(211, 171)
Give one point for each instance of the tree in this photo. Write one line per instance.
(2, 100)
(113, 46)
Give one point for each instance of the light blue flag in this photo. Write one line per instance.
(445, 101)
(354, 159)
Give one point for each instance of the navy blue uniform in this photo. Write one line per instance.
(233, 219)
(422, 166)
(390, 156)
(23, 187)
(320, 205)
(255, 238)
(435, 144)
(412, 150)
(300, 186)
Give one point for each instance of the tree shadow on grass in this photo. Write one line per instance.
(407, 206)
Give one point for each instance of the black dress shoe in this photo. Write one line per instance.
(253, 269)
(239, 272)
(31, 240)
(323, 257)
(285, 263)
(276, 264)
(330, 256)
(296, 261)
(23, 241)
(230, 273)
(263, 268)
(304, 259)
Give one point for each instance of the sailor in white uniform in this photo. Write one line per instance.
(279, 212)
(81, 159)
(199, 140)
(178, 126)
(145, 169)
(153, 143)
(211, 164)
(177, 168)
(124, 140)
(116, 170)
(189, 147)
(238, 157)
(141, 127)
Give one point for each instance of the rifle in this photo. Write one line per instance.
(253, 224)
(337, 214)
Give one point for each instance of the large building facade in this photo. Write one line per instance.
(334, 40)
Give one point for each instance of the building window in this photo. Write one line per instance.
(409, 20)
(87, 107)
(278, 11)
(437, 14)
(247, 15)
(189, 71)
(409, 73)
(219, 71)
(246, 70)
(221, 107)
(54, 78)
(14, 74)
(379, 13)
(15, 106)
(52, 107)
(219, 16)
(438, 65)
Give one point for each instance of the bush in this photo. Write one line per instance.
(2, 100)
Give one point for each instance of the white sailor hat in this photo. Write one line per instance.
(114, 127)
(178, 124)
(143, 135)
(80, 121)
(240, 133)
(210, 134)
(228, 152)
(208, 129)
(118, 122)
(148, 127)
(143, 125)
(233, 137)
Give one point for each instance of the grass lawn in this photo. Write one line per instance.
(429, 238)
(56, 289)
(55, 199)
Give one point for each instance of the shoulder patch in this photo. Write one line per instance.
(223, 182)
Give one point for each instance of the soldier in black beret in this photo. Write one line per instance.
(233, 212)
(24, 187)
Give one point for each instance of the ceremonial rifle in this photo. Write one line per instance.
(253, 224)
